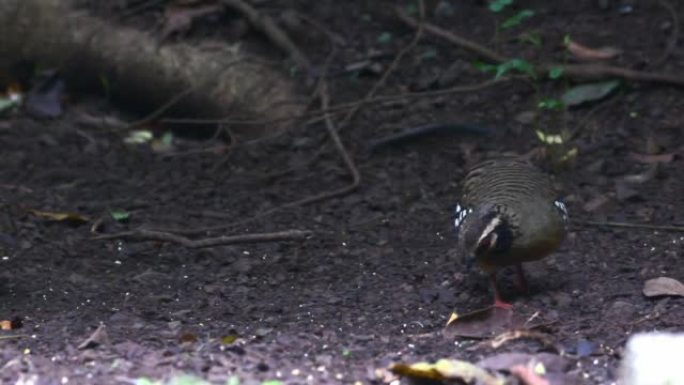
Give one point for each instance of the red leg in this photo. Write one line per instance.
(522, 282)
(498, 302)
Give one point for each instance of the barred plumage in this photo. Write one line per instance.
(509, 213)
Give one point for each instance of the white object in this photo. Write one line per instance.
(653, 359)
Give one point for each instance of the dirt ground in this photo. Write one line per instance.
(378, 279)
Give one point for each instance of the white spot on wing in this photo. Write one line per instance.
(461, 212)
(564, 210)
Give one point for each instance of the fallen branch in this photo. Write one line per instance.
(269, 28)
(152, 235)
(134, 68)
(577, 71)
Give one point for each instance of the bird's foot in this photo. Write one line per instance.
(502, 305)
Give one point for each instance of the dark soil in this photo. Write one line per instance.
(378, 279)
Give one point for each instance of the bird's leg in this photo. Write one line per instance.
(522, 282)
(498, 302)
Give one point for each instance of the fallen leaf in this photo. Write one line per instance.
(60, 216)
(179, 18)
(663, 286)
(590, 92)
(139, 137)
(647, 158)
(642, 177)
(120, 215)
(97, 338)
(586, 53)
(482, 323)
(446, 370)
(513, 335)
(504, 361)
(528, 376)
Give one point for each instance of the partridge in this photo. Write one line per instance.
(509, 213)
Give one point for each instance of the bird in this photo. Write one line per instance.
(509, 213)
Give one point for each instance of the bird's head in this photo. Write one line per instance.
(483, 232)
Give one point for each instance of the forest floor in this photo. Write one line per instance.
(378, 278)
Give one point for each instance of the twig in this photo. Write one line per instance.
(672, 41)
(266, 25)
(158, 112)
(390, 68)
(151, 235)
(569, 70)
(471, 46)
(627, 225)
(316, 116)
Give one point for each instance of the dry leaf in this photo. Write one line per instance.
(60, 216)
(97, 338)
(663, 286)
(446, 370)
(504, 361)
(528, 376)
(179, 18)
(585, 53)
(513, 335)
(482, 323)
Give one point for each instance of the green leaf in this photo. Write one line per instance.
(549, 138)
(120, 215)
(517, 18)
(566, 40)
(188, 380)
(484, 67)
(498, 5)
(519, 65)
(272, 382)
(167, 138)
(533, 38)
(556, 72)
(384, 38)
(7, 103)
(591, 92)
(139, 137)
(411, 9)
(431, 53)
(550, 104)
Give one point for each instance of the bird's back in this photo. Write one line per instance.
(506, 181)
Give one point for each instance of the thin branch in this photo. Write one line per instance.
(151, 235)
(469, 45)
(316, 116)
(390, 69)
(266, 25)
(569, 70)
(627, 225)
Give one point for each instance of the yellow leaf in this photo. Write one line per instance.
(60, 216)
